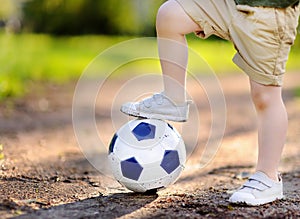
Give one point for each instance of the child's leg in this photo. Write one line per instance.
(172, 25)
(272, 127)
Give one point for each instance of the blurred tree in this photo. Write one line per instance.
(90, 16)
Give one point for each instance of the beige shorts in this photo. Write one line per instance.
(262, 36)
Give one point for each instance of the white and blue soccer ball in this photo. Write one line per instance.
(146, 154)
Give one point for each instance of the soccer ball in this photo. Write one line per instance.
(146, 154)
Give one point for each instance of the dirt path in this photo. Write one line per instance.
(45, 174)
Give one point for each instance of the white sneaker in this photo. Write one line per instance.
(157, 106)
(258, 190)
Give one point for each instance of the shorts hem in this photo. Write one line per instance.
(192, 13)
(265, 79)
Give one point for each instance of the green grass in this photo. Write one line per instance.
(42, 58)
(32, 57)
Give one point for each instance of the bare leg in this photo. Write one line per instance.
(272, 127)
(172, 25)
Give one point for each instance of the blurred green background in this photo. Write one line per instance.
(52, 41)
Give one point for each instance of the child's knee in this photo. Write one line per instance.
(260, 99)
(166, 16)
(264, 96)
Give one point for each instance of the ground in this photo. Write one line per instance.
(45, 174)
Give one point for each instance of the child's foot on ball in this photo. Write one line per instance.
(258, 190)
(157, 106)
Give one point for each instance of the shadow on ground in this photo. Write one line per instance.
(209, 202)
(111, 206)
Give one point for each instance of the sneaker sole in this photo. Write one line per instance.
(155, 116)
(257, 202)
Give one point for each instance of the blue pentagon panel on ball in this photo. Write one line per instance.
(170, 161)
(144, 131)
(131, 169)
(112, 143)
